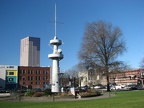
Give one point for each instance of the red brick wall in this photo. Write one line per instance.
(126, 77)
(33, 77)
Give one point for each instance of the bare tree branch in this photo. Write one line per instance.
(142, 63)
(102, 44)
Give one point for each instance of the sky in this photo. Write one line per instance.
(22, 18)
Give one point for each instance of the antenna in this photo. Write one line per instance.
(56, 56)
(55, 20)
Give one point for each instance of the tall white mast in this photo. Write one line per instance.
(55, 21)
(56, 56)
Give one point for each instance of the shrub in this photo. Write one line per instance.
(38, 94)
(29, 93)
(47, 92)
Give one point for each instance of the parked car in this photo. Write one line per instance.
(116, 87)
(128, 87)
(133, 87)
(85, 88)
(99, 86)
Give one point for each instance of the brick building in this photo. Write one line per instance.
(128, 77)
(33, 77)
(135, 76)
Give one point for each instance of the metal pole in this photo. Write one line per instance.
(53, 97)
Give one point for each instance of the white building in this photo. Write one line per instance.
(8, 77)
(89, 78)
(30, 51)
(83, 78)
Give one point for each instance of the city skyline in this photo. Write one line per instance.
(35, 18)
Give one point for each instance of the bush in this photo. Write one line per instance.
(37, 90)
(38, 94)
(47, 92)
(29, 93)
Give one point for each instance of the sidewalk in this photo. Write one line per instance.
(55, 99)
(105, 95)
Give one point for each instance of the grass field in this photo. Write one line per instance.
(125, 99)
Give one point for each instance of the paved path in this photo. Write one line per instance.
(50, 99)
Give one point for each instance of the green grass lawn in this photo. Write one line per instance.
(125, 99)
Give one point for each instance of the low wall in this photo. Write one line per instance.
(4, 94)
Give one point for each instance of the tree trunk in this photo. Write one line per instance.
(107, 77)
(108, 85)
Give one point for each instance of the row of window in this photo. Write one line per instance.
(33, 72)
(37, 83)
(10, 73)
(32, 78)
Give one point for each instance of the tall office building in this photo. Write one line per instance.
(30, 51)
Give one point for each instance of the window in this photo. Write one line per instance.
(45, 83)
(45, 78)
(11, 66)
(30, 77)
(11, 80)
(22, 71)
(38, 83)
(45, 72)
(30, 72)
(11, 73)
(38, 78)
(134, 78)
(37, 71)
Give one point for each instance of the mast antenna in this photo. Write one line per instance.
(55, 20)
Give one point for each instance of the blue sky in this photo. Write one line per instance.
(22, 18)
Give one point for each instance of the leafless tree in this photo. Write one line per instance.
(102, 44)
(142, 63)
(73, 72)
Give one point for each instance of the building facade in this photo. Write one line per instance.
(30, 51)
(126, 77)
(141, 77)
(83, 78)
(135, 76)
(34, 77)
(89, 78)
(129, 77)
(8, 77)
